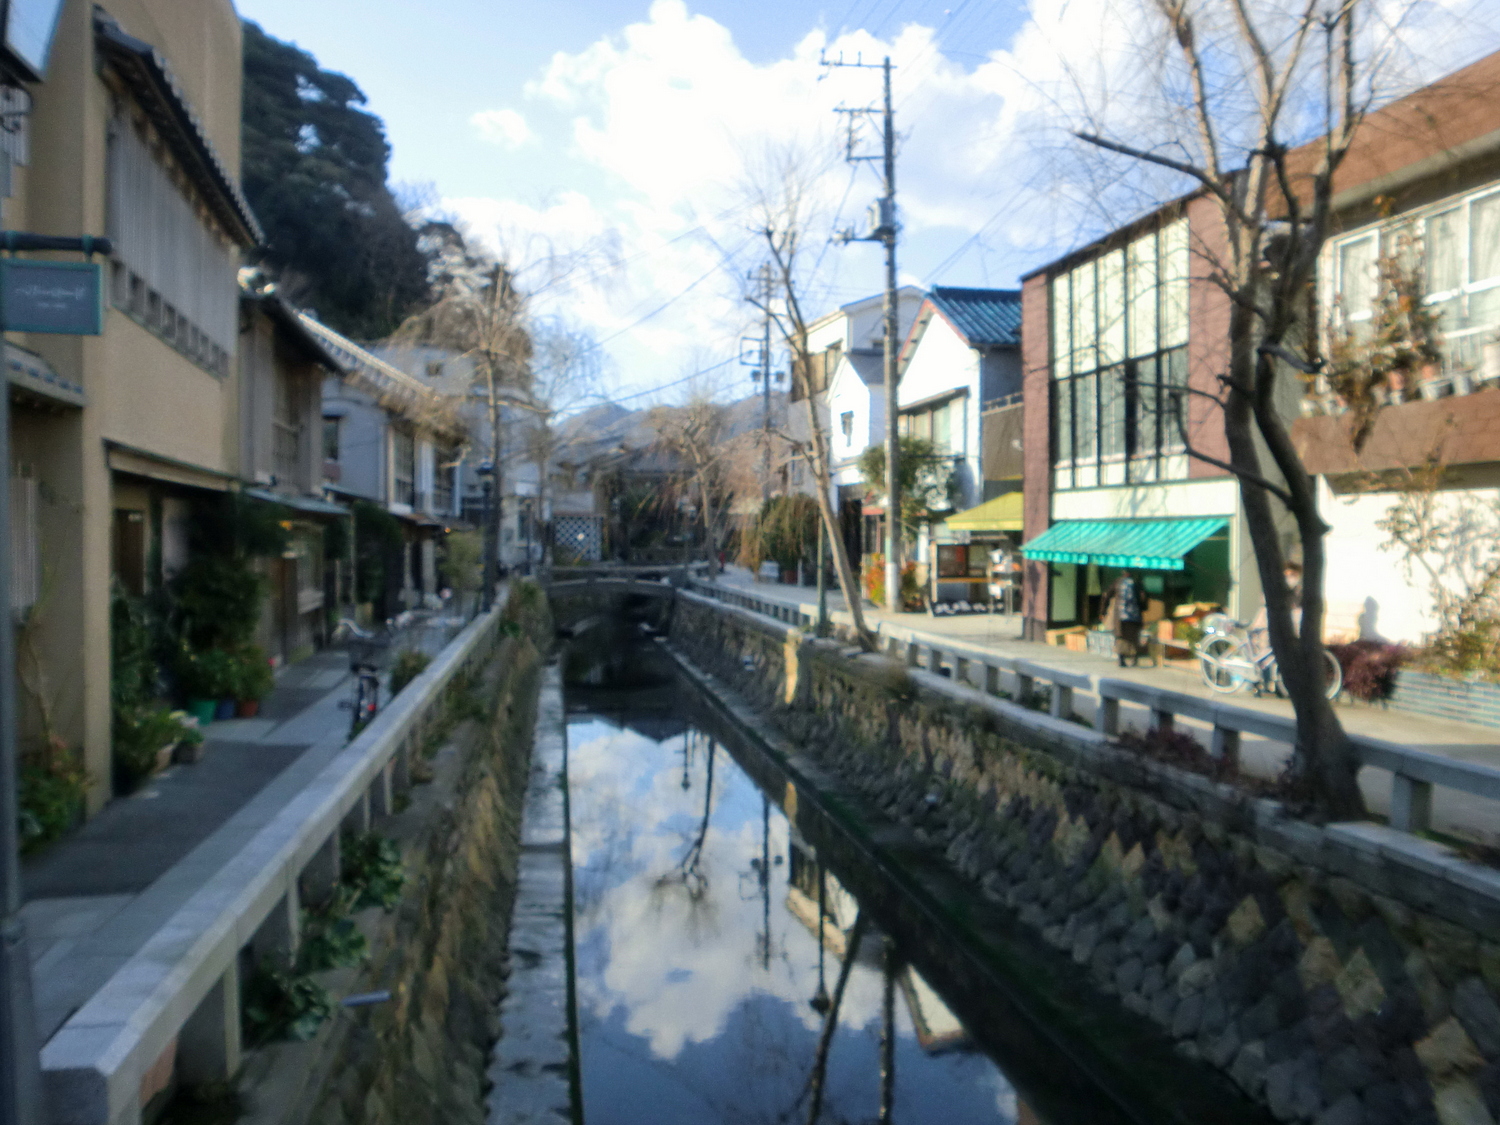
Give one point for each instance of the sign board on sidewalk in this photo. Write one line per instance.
(58, 297)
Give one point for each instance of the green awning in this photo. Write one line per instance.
(1003, 513)
(1134, 544)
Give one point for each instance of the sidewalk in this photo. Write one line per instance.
(93, 898)
(1463, 741)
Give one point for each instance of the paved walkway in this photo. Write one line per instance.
(1474, 816)
(94, 898)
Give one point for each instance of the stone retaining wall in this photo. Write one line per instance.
(1343, 975)
(422, 1059)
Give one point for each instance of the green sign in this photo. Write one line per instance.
(61, 297)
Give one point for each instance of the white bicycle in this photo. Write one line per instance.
(1228, 662)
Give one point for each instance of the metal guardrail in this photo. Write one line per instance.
(175, 1002)
(1414, 773)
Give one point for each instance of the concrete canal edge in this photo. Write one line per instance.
(533, 1067)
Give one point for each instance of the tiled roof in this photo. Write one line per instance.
(988, 318)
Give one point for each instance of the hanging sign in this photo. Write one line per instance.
(58, 297)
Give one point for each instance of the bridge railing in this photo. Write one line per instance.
(1415, 774)
(175, 1004)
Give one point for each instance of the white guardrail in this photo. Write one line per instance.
(1414, 773)
(175, 1002)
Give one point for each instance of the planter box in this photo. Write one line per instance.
(1466, 701)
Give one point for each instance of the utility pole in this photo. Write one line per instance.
(760, 360)
(884, 230)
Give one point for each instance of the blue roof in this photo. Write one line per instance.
(988, 318)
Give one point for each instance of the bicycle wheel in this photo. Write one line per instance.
(1222, 661)
(1333, 677)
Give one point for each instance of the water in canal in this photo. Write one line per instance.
(700, 982)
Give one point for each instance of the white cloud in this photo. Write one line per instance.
(656, 129)
(504, 127)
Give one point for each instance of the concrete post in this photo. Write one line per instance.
(276, 939)
(913, 654)
(1163, 720)
(400, 767)
(893, 648)
(935, 660)
(1025, 685)
(320, 878)
(208, 1047)
(991, 680)
(1411, 804)
(357, 819)
(961, 670)
(1225, 742)
(1109, 715)
(1062, 701)
(380, 795)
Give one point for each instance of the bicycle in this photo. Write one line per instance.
(1227, 663)
(364, 647)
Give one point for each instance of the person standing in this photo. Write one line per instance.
(1122, 616)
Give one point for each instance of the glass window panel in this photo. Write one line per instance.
(942, 427)
(1062, 315)
(1143, 406)
(1445, 255)
(1085, 330)
(1174, 284)
(1112, 307)
(1484, 308)
(1141, 302)
(1484, 239)
(1174, 381)
(1062, 420)
(1112, 412)
(1085, 426)
(1450, 314)
(1357, 276)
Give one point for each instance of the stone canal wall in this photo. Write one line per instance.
(421, 1059)
(1338, 974)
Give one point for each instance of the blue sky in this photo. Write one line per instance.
(605, 147)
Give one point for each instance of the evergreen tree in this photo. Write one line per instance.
(315, 173)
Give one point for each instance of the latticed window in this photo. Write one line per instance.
(1119, 364)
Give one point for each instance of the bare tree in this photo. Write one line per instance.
(479, 313)
(1247, 79)
(718, 467)
(782, 210)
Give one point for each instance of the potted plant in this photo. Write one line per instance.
(254, 681)
(208, 678)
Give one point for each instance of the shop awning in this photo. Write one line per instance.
(1003, 513)
(310, 504)
(1138, 544)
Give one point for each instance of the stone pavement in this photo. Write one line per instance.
(93, 898)
(1473, 816)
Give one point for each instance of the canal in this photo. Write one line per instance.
(703, 991)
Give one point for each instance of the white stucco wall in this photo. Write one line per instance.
(1367, 588)
(941, 361)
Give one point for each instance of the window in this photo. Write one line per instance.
(403, 467)
(331, 438)
(1118, 334)
(172, 273)
(846, 426)
(286, 441)
(1460, 248)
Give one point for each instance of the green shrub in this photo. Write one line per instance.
(51, 797)
(284, 1005)
(212, 673)
(140, 733)
(255, 677)
(408, 666)
(371, 870)
(330, 940)
(218, 600)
